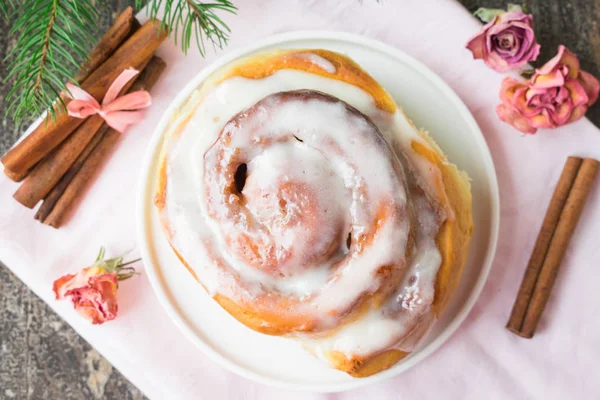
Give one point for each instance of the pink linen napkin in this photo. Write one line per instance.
(481, 359)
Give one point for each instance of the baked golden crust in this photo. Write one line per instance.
(452, 191)
(452, 240)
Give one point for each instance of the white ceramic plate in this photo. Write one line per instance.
(280, 362)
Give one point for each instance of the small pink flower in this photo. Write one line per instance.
(93, 290)
(507, 41)
(557, 94)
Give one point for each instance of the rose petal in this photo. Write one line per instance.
(551, 65)
(533, 53)
(577, 93)
(590, 85)
(489, 44)
(562, 113)
(506, 113)
(520, 102)
(87, 303)
(577, 113)
(522, 25)
(529, 50)
(59, 285)
(552, 79)
(507, 43)
(564, 57)
(97, 302)
(557, 94)
(529, 112)
(569, 59)
(502, 58)
(68, 282)
(107, 285)
(534, 101)
(521, 47)
(498, 28)
(562, 94)
(477, 45)
(510, 116)
(496, 62)
(508, 87)
(90, 304)
(516, 16)
(542, 120)
(534, 91)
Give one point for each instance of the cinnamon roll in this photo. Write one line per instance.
(305, 202)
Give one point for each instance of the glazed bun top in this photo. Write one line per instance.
(307, 204)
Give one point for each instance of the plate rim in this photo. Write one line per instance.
(145, 180)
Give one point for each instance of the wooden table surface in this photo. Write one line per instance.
(41, 357)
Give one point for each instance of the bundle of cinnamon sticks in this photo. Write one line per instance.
(61, 156)
(559, 224)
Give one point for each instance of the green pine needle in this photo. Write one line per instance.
(54, 40)
(6, 7)
(189, 19)
(55, 37)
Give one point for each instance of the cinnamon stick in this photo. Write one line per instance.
(57, 191)
(13, 176)
(136, 24)
(559, 243)
(48, 172)
(80, 180)
(149, 76)
(108, 44)
(557, 203)
(54, 213)
(49, 134)
(122, 27)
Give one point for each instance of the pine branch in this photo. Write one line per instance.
(7, 7)
(54, 36)
(187, 19)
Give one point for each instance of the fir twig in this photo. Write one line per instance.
(54, 38)
(4, 6)
(187, 19)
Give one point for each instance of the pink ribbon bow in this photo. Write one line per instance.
(118, 113)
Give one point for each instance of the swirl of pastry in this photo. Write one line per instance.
(323, 193)
(299, 195)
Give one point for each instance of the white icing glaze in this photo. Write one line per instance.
(340, 151)
(319, 61)
(405, 318)
(404, 313)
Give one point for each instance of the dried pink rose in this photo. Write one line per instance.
(93, 290)
(507, 41)
(557, 94)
